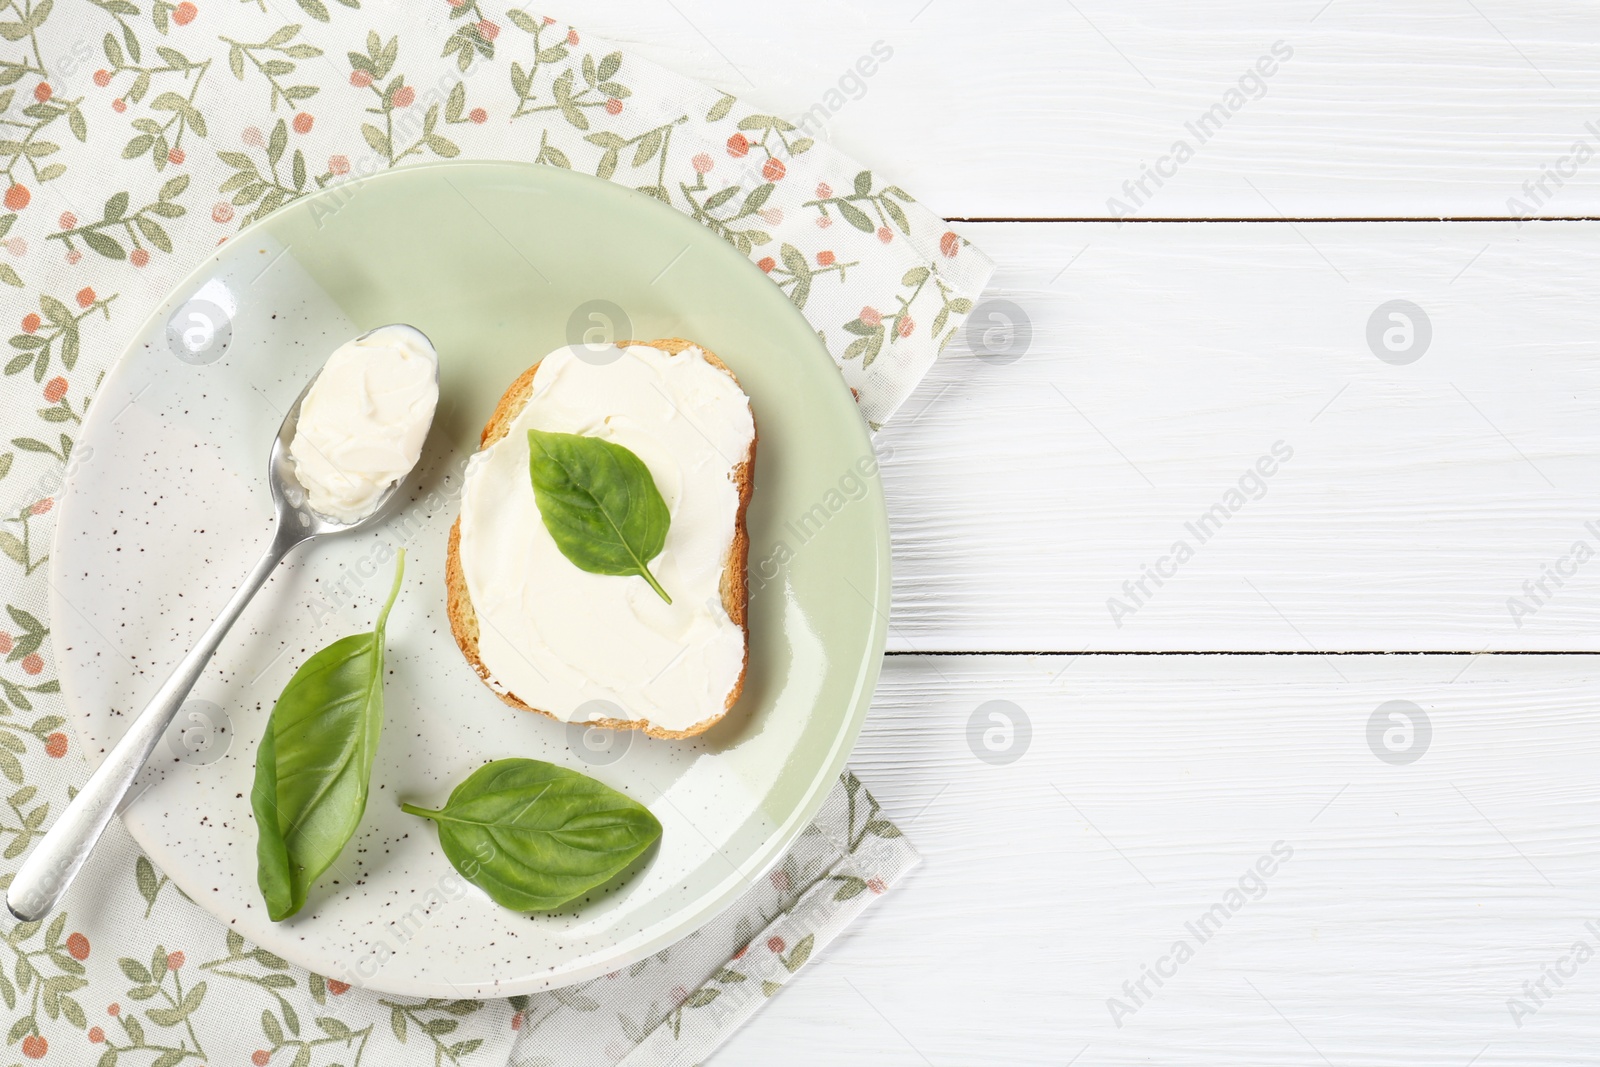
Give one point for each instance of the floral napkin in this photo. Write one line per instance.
(138, 134)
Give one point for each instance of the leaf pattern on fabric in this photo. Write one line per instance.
(677, 1006)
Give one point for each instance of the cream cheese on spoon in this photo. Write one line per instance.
(363, 422)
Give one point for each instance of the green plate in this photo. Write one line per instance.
(498, 263)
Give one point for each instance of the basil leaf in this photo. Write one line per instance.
(599, 503)
(315, 762)
(535, 836)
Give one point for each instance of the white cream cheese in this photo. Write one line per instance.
(363, 422)
(587, 646)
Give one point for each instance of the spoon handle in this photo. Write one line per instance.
(55, 860)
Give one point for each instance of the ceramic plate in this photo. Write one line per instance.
(167, 508)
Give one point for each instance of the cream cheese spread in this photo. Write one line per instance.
(363, 422)
(585, 646)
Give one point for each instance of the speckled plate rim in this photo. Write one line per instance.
(713, 903)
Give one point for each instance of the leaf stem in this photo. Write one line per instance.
(394, 590)
(644, 572)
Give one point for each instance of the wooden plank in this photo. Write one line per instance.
(1415, 901)
(1167, 362)
(1034, 109)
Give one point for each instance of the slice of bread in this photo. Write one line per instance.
(734, 585)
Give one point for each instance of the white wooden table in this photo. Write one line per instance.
(1432, 881)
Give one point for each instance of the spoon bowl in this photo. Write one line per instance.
(294, 514)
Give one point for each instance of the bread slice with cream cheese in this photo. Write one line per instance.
(581, 647)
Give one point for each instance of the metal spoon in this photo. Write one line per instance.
(56, 859)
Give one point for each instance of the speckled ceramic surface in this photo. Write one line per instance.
(167, 508)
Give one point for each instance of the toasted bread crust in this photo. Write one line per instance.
(734, 587)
